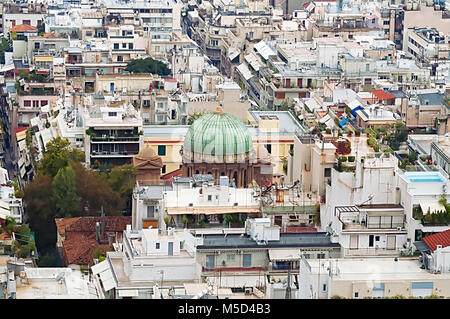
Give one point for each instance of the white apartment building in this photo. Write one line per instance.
(201, 198)
(146, 259)
(114, 132)
(369, 278)
(422, 191)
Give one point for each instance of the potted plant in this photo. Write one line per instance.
(229, 220)
(357, 133)
(184, 220)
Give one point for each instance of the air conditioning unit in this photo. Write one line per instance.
(248, 291)
(191, 204)
(438, 246)
(399, 228)
(235, 204)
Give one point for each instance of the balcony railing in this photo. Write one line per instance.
(112, 154)
(114, 139)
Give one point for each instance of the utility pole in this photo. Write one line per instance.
(288, 288)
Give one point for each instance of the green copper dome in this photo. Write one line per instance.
(218, 134)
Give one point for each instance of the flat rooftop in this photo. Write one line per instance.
(375, 269)
(42, 284)
(287, 240)
(287, 122)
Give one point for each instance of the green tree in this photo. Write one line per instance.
(5, 46)
(122, 180)
(64, 192)
(147, 65)
(10, 224)
(57, 156)
(41, 212)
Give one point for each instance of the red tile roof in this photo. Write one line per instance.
(442, 238)
(381, 95)
(20, 129)
(79, 235)
(50, 35)
(23, 28)
(176, 173)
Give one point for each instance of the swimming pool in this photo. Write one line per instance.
(424, 177)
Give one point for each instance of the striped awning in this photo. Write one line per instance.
(104, 271)
(284, 254)
(211, 210)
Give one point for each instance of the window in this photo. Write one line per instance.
(367, 67)
(163, 169)
(27, 22)
(112, 113)
(386, 22)
(130, 46)
(161, 150)
(27, 103)
(124, 45)
(37, 45)
(119, 58)
(150, 211)
(268, 147)
(230, 257)
(377, 238)
(209, 198)
(157, 245)
(356, 294)
(246, 260)
(321, 256)
(327, 172)
(116, 46)
(324, 287)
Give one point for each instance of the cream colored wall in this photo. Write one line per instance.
(347, 288)
(259, 258)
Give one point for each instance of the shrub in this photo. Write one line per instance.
(351, 158)
(343, 158)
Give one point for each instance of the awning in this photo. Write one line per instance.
(253, 60)
(284, 254)
(238, 281)
(43, 58)
(211, 210)
(432, 207)
(7, 68)
(128, 293)
(243, 69)
(234, 54)
(264, 50)
(106, 277)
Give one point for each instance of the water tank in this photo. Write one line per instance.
(224, 181)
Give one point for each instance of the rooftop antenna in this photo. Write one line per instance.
(102, 225)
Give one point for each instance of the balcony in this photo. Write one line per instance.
(348, 252)
(102, 139)
(113, 154)
(233, 269)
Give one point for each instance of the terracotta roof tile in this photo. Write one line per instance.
(23, 28)
(80, 242)
(442, 238)
(381, 95)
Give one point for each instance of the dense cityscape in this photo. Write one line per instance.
(224, 149)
